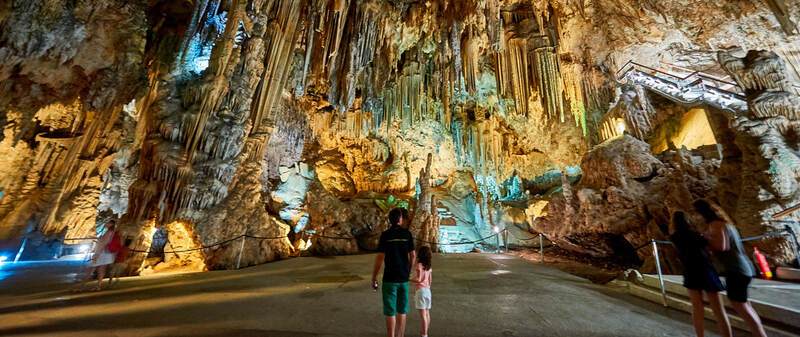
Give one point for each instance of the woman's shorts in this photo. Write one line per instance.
(737, 285)
(422, 298)
(703, 279)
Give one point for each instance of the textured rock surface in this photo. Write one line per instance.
(624, 196)
(66, 71)
(767, 138)
(295, 122)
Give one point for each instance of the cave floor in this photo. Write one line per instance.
(473, 295)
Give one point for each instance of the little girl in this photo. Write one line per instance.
(422, 298)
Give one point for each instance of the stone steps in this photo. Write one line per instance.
(779, 320)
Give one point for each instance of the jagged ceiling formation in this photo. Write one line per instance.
(227, 114)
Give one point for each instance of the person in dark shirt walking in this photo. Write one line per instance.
(396, 250)
(724, 240)
(699, 275)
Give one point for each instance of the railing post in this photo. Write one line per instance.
(497, 238)
(660, 277)
(241, 250)
(793, 239)
(21, 249)
(505, 238)
(541, 248)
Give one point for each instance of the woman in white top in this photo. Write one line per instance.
(102, 257)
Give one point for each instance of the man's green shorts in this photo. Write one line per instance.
(395, 298)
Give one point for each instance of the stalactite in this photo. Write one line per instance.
(276, 75)
(230, 107)
(455, 38)
(494, 24)
(573, 91)
(471, 57)
(197, 19)
(549, 82)
(514, 77)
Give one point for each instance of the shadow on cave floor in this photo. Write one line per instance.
(473, 295)
(596, 270)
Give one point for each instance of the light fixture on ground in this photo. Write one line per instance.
(620, 126)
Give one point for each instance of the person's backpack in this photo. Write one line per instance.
(115, 245)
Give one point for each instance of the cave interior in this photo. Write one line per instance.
(230, 133)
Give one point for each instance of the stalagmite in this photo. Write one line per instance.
(425, 224)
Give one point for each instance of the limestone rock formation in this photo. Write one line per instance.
(624, 198)
(282, 126)
(767, 139)
(425, 222)
(66, 72)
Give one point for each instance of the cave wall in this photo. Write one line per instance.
(263, 117)
(67, 71)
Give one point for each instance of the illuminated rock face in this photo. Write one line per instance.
(66, 72)
(294, 122)
(625, 198)
(767, 139)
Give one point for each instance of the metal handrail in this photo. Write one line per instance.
(787, 231)
(703, 80)
(631, 65)
(696, 87)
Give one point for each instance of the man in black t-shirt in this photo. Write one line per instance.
(396, 249)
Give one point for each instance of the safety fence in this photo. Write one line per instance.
(693, 78)
(313, 234)
(541, 239)
(695, 87)
(787, 231)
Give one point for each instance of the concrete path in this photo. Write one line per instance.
(473, 295)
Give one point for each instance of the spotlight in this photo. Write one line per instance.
(496, 229)
(620, 126)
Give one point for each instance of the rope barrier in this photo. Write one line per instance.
(333, 237)
(265, 237)
(187, 250)
(662, 242)
(524, 239)
(483, 239)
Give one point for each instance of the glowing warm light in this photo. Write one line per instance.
(620, 126)
(3, 258)
(304, 244)
(693, 130)
(496, 229)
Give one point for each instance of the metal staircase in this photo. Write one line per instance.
(692, 88)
